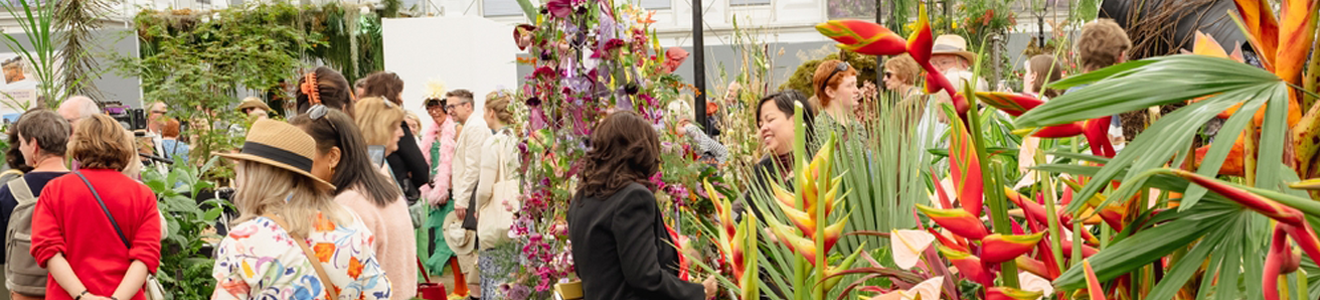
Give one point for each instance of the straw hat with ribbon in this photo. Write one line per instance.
(953, 44)
(280, 145)
(459, 239)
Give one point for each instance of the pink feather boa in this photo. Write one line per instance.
(438, 193)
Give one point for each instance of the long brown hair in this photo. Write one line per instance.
(336, 129)
(1047, 70)
(624, 149)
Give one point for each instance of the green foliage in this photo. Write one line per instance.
(37, 22)
(197, 67)
(185, 270)
(80, 19)
(801, 80)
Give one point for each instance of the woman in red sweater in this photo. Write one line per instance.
(72, 235)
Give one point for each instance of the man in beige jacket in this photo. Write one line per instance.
(466, 170)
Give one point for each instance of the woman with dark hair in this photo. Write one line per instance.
(774, 118)
(408, 164)
(331, 89)
(613, 219)
(341, 158)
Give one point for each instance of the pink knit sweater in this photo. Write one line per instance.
(445, 133)
(396, 246)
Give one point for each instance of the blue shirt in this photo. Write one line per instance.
(35, 181)
(173, 149)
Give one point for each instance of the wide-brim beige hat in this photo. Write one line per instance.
(280, 145)
(252, 102)
(459, 239)
(953, 44)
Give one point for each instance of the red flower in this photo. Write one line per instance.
(545, 72)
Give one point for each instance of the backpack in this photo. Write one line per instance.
(22, 274)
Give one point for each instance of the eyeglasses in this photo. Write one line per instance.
(157, 112)
(840, 67)
(889, 74)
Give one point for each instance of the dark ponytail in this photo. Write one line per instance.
(336, 129)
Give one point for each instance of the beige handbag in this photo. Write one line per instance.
(494, 220)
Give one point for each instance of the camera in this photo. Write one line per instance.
(131, 118)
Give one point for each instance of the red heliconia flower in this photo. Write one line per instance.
(998, 248)
(958, 221)
(919, 43)
(863, 37)
(1011, 103)
(969, 266)
(1092, 284)
(1087, 251)
(1037, 213)
(1269, 208)
(1097, 135)
(1306, 238)
(965, 167)
(1274, 260)
(1033, 266)
(1060, 131)
(1008, 293)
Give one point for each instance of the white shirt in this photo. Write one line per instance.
(467, 160)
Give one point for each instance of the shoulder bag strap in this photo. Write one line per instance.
(105, 209)
(328, 285)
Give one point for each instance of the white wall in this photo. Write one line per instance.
(465, 52)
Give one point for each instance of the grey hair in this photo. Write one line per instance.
(86, 107)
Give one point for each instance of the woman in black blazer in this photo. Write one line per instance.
(409, 166)
(620, 244)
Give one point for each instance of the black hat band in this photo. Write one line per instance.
(278, 155)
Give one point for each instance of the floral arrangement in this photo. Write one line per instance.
(590, 59)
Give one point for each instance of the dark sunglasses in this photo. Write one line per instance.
(842, 66)
(889, 74)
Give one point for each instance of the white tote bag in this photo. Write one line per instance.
(494, 219)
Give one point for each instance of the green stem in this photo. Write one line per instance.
(994, 193)
(1056, 240)
(822, 181)
(799, 151)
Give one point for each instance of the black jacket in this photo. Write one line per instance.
(622, 249)
(408, 164)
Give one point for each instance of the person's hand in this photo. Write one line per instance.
(683, 123)
(461, 213)
(712, 289)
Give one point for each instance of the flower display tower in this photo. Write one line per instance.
(590, 58)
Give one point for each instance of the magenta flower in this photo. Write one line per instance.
(560, 9)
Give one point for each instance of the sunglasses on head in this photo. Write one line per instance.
(840, 67)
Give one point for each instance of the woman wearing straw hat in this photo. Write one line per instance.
(379, 121)
(292, 241)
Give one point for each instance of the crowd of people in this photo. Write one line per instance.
(321, 198)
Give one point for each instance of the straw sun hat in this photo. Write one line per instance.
(280, 145)
(459, 239)
(252, 102)
(953, 44)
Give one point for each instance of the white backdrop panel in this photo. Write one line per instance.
(464, 52)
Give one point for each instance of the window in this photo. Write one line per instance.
(655, 4)
(748, 2)
(501, 8)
